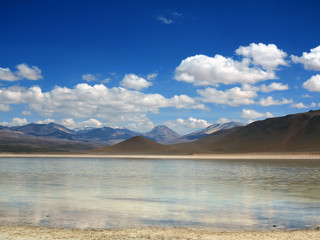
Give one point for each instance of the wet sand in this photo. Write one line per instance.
(24, 232)
(257, 156)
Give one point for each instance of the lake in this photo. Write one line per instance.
(116, 193)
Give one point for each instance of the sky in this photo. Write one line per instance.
(137, 64)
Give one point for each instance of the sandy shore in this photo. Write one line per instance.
(257, 156)
(22, 232)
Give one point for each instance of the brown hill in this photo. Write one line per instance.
(296, 132)
(136, 145)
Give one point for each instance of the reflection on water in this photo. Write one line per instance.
(108, 193)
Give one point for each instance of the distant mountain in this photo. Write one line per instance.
(106, 134)
(136, 145)
(18, 142)
(50, 130)
(161, 133)
(204, 132)
(292, 133)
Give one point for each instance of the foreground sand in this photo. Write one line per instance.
(22, 232)
(261, 156)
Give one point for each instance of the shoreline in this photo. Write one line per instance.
(256, 156)
(27, 232)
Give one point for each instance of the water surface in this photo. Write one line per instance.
(113, 193)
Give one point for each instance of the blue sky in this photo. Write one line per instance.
(137, 64)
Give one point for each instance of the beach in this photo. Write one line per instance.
(26, 232)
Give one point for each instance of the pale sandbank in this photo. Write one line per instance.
(26, 232)
(257, 156)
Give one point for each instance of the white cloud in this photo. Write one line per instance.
(233, 97)
(311, 61)
(23, 71)
(141, 125)
(132, 81)
(274, 87)
(90, 123)
(7, 75)
(4, 107)
(188, 123)
(89, 77)
(46, 121)
(267, 56)
(269, 101)
(298, 105)
(306, 96)
(302, 105)
(165, 20)
(68, 123)
(106, 80)
(204, 70)
(258, 64)
(152, 76)
(223, 120)
(26, 113)
(31, 73)
(252, 114)
(18, 122)
(313, 84)
(114, 105)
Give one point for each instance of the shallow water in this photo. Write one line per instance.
(112, 193)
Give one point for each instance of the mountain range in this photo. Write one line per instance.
(104, 135)
(292, 133)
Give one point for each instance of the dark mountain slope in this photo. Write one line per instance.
(136, 145)
(297, 132)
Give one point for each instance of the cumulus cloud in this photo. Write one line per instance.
(268, 56)
(188, 123)
(132, 81)
(258, 64)
(46, 121)
(15, 122)
(4, 107)
(23, 72)
(72, 124)
(311, 60)
(233, 97)
(313, 84)
(84, 101)
(7, 75)
(274, 87)
(302, 105)
(89, 77)
(252, 114)
(31, 73)
(298, 105)
(204, 70)
(90, 123)
(269, 101)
